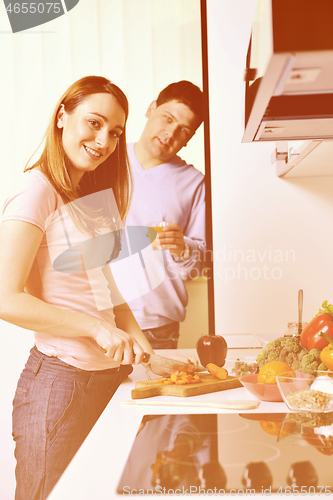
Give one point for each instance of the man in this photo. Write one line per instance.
(166, 188)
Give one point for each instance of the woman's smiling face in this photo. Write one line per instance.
(91, 132)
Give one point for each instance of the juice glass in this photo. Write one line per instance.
(158, 227)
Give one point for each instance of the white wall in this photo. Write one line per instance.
(281, 229)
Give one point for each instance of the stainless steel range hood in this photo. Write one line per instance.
(289, 74)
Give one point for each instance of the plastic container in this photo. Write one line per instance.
(293, 329)
(310, 393)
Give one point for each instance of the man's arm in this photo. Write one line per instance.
(188, 247)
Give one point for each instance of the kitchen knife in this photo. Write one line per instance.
(171, 364)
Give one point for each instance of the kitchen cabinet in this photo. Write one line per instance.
(289, 84)
(289, 80)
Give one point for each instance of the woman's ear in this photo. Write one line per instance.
(152, 107)
(60, 116)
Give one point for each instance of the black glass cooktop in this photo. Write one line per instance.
(282, 453)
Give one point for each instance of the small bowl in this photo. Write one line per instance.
(249, 361)
(264, 392)
(310, 393)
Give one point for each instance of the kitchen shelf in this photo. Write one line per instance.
(304, 159)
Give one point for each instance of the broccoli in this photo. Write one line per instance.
(301, 354)
(289, 350)
(310, 362)
(278, 349)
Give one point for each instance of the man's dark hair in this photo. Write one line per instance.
(186, 93)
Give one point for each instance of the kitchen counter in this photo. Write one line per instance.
(97, 467)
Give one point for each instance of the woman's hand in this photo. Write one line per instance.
(117, 344)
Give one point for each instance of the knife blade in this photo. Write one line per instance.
(171, 364)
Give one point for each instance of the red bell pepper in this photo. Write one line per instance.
(310, 336)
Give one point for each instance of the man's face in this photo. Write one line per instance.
(169, 128)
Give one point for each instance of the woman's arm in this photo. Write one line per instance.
(19, 242)
(126, 321)
(123, 314)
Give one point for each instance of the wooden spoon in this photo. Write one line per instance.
(300, 311)
(226, 405)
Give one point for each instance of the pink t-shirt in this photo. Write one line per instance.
(62, 273)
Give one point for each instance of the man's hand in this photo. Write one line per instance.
(172, 238)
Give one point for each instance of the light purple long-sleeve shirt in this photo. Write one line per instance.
(173, 191)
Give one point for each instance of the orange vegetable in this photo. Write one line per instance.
(181, 378)
(218, 372)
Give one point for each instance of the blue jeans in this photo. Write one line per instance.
(54, 408)
(163, 337)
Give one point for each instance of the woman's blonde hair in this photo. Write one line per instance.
(113, 173)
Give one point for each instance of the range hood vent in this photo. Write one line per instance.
(289, 72)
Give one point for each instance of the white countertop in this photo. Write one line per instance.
(97, 467)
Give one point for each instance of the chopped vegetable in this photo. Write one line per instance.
(218, 372)
(181, 378)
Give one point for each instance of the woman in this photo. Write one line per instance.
(81, 342)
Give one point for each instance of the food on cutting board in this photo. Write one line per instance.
(267, 374)
(289, 350)
(181, 378)
(184, 378)
(216, 371)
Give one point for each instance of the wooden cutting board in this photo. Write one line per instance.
(149, 388)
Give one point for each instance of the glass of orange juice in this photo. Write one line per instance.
(158, 227)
